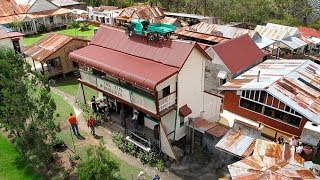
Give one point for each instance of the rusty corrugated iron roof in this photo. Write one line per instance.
(4, 34)
(183, 32)
(203, 125)
(50, 13)
(309, 31)
(47, 46)
(8, 8)
(270, 161)
(13, 18)
(168, 20)
(275, 34)
(236, 143)
(293, 31)
(302, 85)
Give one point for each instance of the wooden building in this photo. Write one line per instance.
(12, 40)
(282, 96)
(52, 52)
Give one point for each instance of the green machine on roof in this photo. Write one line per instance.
(152, 31)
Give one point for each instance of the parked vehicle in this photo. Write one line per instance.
(151, 31)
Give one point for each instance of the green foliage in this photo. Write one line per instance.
(87, 111)
(287, 20)
(98, 165)
(315, 24)
(27, 109)
(150, 158)
(73, 24)
(131, 148)
(160, 165)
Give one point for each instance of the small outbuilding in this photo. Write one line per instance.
(12, 40)
(52, 52)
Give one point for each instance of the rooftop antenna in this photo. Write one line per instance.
(258, 78)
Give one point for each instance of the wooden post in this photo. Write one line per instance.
(42, 68)
(84, 96)
(157, 102)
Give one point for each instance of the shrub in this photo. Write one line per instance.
(160, 165)
(131, 148)
(66, 174)
(57, 143)
(143, 157)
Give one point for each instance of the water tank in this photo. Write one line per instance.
(307, 153)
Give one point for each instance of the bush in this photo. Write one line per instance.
(143, 157)
(131, 148)
(160, 165)
(57, 143)
(66, 174)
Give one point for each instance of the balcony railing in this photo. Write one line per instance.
(167, 101)
(119, 91)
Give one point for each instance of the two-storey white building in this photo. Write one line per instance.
(163, 80)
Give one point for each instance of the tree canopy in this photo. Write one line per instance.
(26, 108)
(98, 165)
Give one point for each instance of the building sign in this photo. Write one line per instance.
(114, 89)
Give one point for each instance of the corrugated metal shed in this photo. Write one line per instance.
(236, 143)
(226, 31)
(301, 75)
(54, 12)
(267, 162)
(293, 31)
(270, 33)
(183, 32)
(203, 125)
(168, 20)
(294, 42)
(46, 46)
(62, 3)
(264, 42)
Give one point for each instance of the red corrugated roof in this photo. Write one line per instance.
(238, 53)
(309, 31)
(136, 70)
(134, 59)
(169, 52)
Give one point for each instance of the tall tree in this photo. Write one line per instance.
(98, 165)
(26, 108)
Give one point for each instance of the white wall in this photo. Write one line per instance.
(190, 88)
(168, 123)
(42, 5)
(169, 82)
(211, 107)
(6, 43)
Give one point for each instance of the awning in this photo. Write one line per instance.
(222, 75)
(184, 111)
(264, 42)
(203, 125)
(136, 70)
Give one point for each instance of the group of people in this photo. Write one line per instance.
(103, 107)
(91, 122)
(293, 142)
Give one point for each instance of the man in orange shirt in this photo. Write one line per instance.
(74, 124)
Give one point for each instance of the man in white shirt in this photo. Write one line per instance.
(299, 148)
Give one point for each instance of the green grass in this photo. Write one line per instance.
(69, 85)
(12, 165)
(29, 40)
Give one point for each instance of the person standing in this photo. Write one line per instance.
(141, 176)
(292, 141)
(135, 120)
(74, 124)
(94, 104)
(91, 123)
(299, 149)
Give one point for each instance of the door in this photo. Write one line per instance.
(16, 45)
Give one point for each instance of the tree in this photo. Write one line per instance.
(98, 165)
(26, 108)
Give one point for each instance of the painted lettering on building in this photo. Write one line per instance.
(114, 89)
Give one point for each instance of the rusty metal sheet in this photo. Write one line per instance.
(46, 46)
(54, 12)
(4, 34)
(183, 32)
(218, 130)
(13, 7)
(306, 174)
(235, 143)
(168, 20)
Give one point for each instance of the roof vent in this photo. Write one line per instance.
(314, 124)
(258, 78)
(309, 84)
